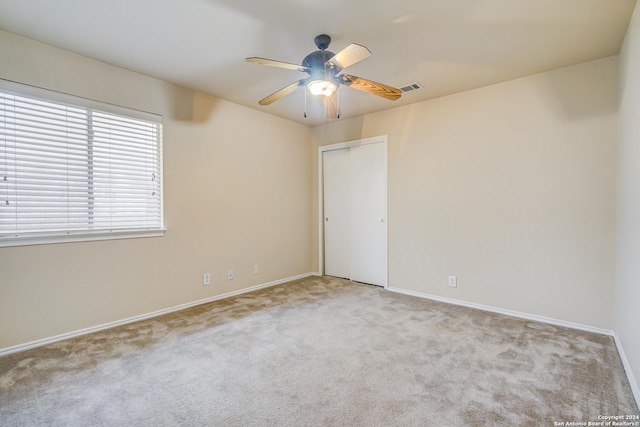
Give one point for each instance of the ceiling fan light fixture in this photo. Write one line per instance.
(322, 87)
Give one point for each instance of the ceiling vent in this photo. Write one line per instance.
(410, 87)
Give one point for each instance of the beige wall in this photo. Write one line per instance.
(237, 193)
(509, 187)
(627, 297)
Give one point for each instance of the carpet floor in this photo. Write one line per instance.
(319, 351)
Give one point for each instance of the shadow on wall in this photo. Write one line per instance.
(189, 105)
(584, 90)
(340, 130)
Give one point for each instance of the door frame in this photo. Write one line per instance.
(381, 139)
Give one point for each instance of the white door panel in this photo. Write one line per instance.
(336, 213)
(368, 211)
(355, 206)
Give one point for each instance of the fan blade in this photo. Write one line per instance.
(384, 91)
(348, 56)
(282, 92)
(279, 64)
(331, 107)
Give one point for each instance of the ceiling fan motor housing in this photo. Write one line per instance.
(316, 60)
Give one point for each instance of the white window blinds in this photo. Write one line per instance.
(74, 170)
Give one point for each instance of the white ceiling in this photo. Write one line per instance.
(446, 45)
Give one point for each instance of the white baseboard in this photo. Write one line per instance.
(518, 314)
(68, 335)
(627, 369)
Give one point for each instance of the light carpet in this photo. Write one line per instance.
(319, 351)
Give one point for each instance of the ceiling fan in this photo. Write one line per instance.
(323, 67)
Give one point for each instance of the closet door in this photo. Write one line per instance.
(355, 200)
(336, 213)
(368, 260)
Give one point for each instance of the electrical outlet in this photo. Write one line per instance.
(229, 274)
(453, 281)
(206, 279)
(256, 269)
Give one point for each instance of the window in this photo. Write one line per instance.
(72, 169)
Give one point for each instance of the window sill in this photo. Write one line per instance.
(73, 238)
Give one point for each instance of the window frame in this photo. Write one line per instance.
(69, 236)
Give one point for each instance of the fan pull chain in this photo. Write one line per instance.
(305, 102)
(338, 102)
